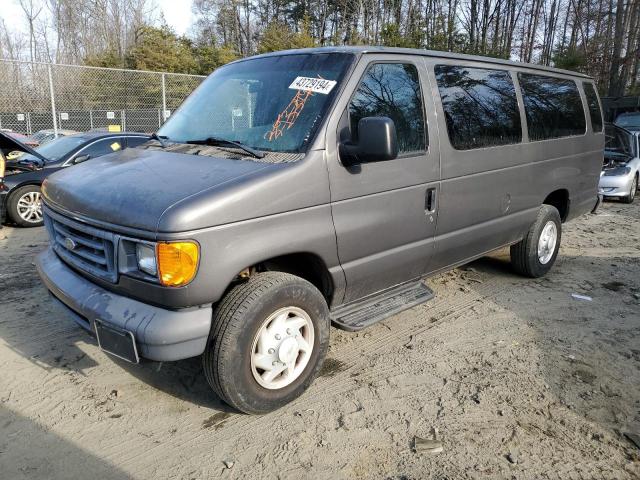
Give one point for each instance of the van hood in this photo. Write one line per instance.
(142, 189)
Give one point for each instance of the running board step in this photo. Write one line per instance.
(368, 311)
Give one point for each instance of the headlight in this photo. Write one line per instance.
(177, 262)
(146, 257)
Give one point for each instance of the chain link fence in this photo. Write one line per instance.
(41, 96)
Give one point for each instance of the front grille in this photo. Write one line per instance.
(81, 246)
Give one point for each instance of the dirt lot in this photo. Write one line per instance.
(520, 380)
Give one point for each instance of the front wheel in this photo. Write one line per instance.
(25, 206)
(535, 254)
(269, 337)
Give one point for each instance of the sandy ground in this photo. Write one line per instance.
(519, 379)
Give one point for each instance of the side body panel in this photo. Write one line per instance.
(384, 234)
(490, 196)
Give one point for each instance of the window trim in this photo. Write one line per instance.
(516, 91)
(584, 83)
(524, 106)
(400, 61)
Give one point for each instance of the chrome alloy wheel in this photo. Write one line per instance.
(547, 242)
(282, 348)
(29, 207)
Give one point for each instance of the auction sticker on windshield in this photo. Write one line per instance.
(317, 85)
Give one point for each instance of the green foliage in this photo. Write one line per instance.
(391, 36)
(279, 36)
(570, 59)
(108, 59)
(160, 49)
(209, 57)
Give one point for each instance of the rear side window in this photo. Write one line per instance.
(391, 90)
(136, 141)
(553, 107)
(102, 147)
(480, 106)
(594, 106)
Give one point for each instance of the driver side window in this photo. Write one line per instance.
(392, 90)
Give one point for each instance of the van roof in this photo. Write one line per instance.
(421, 52)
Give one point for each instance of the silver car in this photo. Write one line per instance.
(621, 168)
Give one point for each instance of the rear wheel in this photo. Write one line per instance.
(25, 206)
(632, 191)
(535, 254)
(269, 337)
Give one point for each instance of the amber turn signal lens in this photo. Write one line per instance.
(177, 262)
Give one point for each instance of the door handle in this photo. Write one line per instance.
(430, 201)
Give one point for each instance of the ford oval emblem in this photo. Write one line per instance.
(70, 244)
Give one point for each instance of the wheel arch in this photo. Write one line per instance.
(560, 200)
(307, 265)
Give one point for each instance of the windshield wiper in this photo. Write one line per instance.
(213, 141)
(159, 139)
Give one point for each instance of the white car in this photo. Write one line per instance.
(621, 168)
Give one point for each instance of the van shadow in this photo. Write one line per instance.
(589, 349)
(183, 379)
(28, 451)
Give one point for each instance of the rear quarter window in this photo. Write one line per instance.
(480, 106)
(594, 106)
(553, 107)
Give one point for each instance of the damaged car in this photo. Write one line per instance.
(20, 200)
(621, 167)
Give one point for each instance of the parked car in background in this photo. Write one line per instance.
(297, 189)
(629, 120)
(45, 136)
(20, 197)
(621, 168)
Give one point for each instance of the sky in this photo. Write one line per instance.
(177, 13)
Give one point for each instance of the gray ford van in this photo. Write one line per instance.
(305, 188)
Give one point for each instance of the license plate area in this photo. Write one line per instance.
(117, 342)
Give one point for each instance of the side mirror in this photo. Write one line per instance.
(377, 142)
(80, 159)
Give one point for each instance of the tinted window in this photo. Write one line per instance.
(480, 106)
(553, 107)
(136, 141)
(594, 106)
(102, 147)
(391, 90)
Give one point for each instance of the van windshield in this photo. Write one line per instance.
(273, 103)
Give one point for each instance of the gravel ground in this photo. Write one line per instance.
(517, 378)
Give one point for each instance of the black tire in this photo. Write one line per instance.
(632, 191)
(524, 254)
(236, 322)
(12, 206)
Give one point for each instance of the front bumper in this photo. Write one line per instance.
(160, 334)
(615, 185)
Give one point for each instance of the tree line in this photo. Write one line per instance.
(597, 37)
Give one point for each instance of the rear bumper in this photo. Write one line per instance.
(160, 334)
